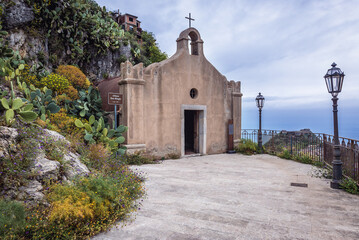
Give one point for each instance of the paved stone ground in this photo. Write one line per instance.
(239, 197)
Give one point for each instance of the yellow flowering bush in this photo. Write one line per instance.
(72, 93)
(90, 205)
(69, 209)
(68, 203)
(41, 123)
(75, 76)
(56, 83)
(61, 99)
(64, 123)
(29, 78)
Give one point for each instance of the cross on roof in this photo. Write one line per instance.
(190, 19)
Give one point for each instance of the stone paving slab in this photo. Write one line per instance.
(232, 196)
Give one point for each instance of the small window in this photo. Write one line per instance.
(130, 19)
(193, 93)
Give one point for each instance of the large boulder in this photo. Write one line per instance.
(18, 15)
(46, 169)
(74, 167)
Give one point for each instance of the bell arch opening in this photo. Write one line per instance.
(194, 42)
(190, 37)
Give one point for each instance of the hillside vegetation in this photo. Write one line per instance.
(76, 32)
(74, 25)
(47, 93)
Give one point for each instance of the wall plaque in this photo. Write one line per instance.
(114, 99)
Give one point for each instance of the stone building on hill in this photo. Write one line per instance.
(182, 105)
(128, 22)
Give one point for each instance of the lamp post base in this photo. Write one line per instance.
(337, 169)
(335, 184)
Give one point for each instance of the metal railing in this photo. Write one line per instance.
(349, 154)
(317, 146)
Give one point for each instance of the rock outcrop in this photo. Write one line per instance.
(106, 65)
(46, 169)
(7, 141)
(32, 193)
(74, 166)
(18, 15)
(43, 169)
(28, 46)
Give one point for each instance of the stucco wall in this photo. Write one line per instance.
(166, 87)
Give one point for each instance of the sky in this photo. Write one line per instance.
(279, 48)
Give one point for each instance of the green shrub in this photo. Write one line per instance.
(12, 218)
(89, 205)
(173, 156)
(88, 104)
(74, 26)
(349, 185)
(138, 158)
(148, 52)
(121, 59)
(246, 146)
(285, 154)
(318, 164)
(306, 159)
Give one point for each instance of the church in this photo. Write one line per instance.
(182, 105)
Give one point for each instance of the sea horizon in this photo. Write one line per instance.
(317, 120)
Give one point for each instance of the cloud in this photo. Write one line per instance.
(280, 48)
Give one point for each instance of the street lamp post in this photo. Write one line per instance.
(260, 103)
(334, 81)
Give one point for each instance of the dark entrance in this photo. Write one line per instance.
(191, 129)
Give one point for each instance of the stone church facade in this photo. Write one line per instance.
(182, 105)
